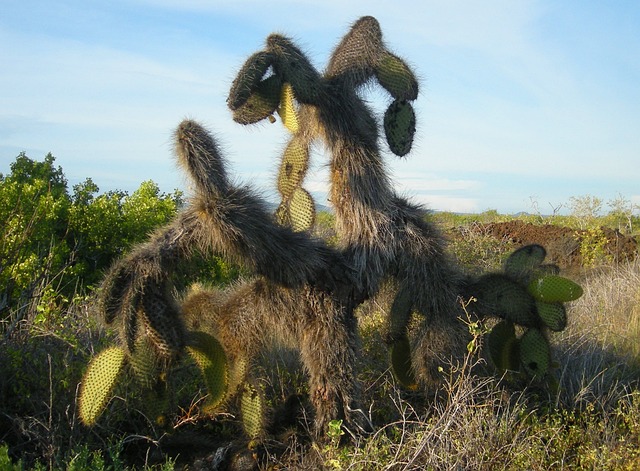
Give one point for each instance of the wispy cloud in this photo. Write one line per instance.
(518, 91)
(449, 203)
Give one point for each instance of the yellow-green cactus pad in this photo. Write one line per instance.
(401, 364)
(302, 210)
(504, 347)
(554, 289)
(288, 111)
(262, 102)
(535, 353)
(553, 315)
(238, 370)
(299, 212)
(396, 77)
(293, 168)
(210, 357)
(500, 296)
(144, 362)
(252, 407)
(522, 262)
(399, 127)
(98, 383)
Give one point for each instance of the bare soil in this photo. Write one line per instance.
(562, 243)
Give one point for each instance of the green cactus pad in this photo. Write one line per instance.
(262, 103)
(98, 383)
(499, 295)
(504, 346)
(144, 362)
(522, 262)
(535, 353)
(399, 127)
(396, 77)
(401, 363)
(248, 78)
(252, 407)
(553, 315)
(210, 357)
(293, 168)
(238, 371)
(287, 111)
(399, 315)
(554, 289)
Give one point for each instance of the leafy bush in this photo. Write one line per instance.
(54, 245)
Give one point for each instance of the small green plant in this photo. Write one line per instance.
(335, 431)
(5, 460)
(593, 247)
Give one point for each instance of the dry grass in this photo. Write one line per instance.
(478, 422)
(481, 422)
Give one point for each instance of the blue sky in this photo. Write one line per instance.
(520, 101)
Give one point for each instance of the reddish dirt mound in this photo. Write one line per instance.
(562, 243)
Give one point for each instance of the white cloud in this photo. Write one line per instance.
(449, 203)
(499, 97)
(418, 183)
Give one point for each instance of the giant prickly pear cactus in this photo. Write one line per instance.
(302, 292)
(382, 235)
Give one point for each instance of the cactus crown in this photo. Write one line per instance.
(361, 57)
